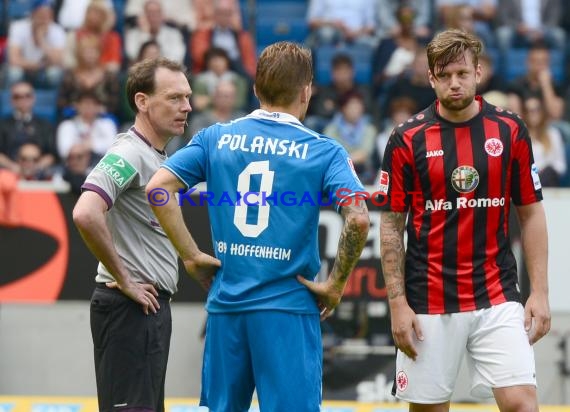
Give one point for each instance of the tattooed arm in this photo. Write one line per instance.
(350, 245)
(403, 318)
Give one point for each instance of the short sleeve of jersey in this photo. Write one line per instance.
(113, 174)
(525, 182)
(340, 179)
(395, 179)
(189, 163)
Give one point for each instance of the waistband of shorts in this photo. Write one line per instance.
(162, 294)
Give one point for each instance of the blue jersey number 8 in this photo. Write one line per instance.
(266, 187)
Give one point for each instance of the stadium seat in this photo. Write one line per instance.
(515, 64)
(269, 31)
(361, 58)
(282, 10)
(18, 9)
(45, 107)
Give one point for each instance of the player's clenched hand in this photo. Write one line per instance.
(143, 293)
(203, 268)
(404, 325)
(536, 316)
(328, 294)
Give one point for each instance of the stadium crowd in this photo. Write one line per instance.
(64, 67)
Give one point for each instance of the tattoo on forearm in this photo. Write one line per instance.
(395, 289)
(351, 242)
(392, 226)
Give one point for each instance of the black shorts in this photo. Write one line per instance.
(131, 351)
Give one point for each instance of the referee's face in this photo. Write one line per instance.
(169, 105)
(455, 84)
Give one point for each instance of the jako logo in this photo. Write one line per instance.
(434, 153)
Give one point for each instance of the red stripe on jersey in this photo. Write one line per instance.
(495, 190)
(418, 205)
(465, 294)
(521, 151)
(436, 303)
(400, 158)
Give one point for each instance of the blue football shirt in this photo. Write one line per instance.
(267, 176)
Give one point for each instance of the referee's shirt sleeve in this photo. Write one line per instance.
(188, 164)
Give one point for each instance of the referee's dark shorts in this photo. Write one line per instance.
(131, 351)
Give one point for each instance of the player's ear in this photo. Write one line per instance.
(431, 79)
(141, 100)
(306, 93)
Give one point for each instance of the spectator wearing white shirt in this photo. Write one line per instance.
(547, 142)
(342, 21)
(390, 25)
(86, 127)
(72, 13)
(170, 39)
(522, 23)
(482, 12)
(35, 47)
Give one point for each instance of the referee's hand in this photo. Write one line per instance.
(143, 293)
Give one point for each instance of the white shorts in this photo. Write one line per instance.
(493, 340)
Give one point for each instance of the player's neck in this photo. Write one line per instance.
(293, 111)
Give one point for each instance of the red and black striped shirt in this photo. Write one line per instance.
(456, 181)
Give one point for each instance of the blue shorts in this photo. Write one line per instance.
(278, 353)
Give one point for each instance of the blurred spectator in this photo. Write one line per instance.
(223, 108)
(170, 39)
(476, 16)
(537, 82)
(217, 69)
(86, 127)
(521, 23)
(98, 23)
(547, 142)
(206, 14)
(497, 98)
(238, 43)
(22, 127)
(89, 74)
(413, 83)
(401, 109)
(490, 79)
(395, 54)
(9, 207)
(353, 129)
(35, 47)
(179, 13)
(390, 23)
(323, 104)
(150, 49)
(71, 13)
(77, 166)
(28, 158)
(340, 21)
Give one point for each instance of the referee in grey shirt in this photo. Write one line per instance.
(138, 267)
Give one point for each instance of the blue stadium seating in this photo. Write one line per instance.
(18, 9)
(271, 31)
(361, 58)
(45, 106)
(515, 64)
